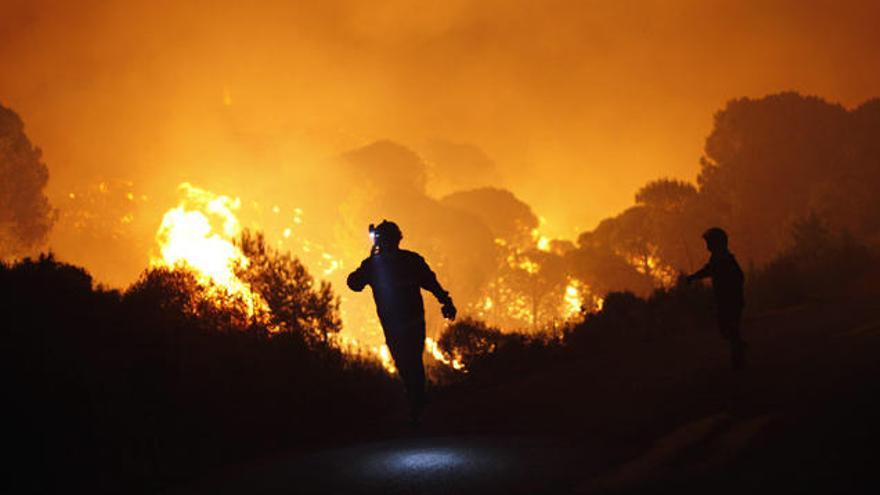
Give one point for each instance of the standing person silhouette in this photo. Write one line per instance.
(727, 284)
(396, 277)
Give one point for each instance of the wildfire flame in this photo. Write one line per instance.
(434, 349)
(198, 235)
(351, 345)
(574, 303)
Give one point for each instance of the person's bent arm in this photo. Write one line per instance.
(428, 281)
(357, 279)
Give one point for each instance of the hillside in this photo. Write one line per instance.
(638, 416)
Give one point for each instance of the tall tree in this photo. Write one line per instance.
(676, 216)
(773, 160)
(509, 218)
(25, 213)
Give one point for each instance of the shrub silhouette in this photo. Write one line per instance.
(819, 265)
(127, 392)
(296, 302)
(490, 354)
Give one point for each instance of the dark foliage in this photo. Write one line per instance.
(768, 164)
(297, 303)
(129, 392)
(665, 313)
(818, 267)
(488, 352)
(772, 161)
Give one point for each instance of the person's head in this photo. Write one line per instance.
(716, 239)
(387, 236)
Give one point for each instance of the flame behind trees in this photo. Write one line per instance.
(531, 286)
(766, 165)
(235, 279)
(198, 235)
(235, 268)
(769, 164)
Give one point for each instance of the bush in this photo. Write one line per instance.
(491, 354)
(296, 302)
(818, 266)
(129, 392)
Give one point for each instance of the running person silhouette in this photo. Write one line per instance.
(396, 277)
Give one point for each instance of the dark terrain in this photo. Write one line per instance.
(659, 414)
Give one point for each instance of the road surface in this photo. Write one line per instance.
(426, 465)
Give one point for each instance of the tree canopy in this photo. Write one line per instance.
(25, 213)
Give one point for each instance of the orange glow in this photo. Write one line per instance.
(573, 301)
(353, 346)
(258, 94)
(198, 235)
(128, 99)
(434, 350)
(663, 274)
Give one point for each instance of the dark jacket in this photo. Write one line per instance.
(397, 278)
(727, 279)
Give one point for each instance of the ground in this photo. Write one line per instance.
(663, 414)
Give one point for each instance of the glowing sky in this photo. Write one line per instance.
(578, 103)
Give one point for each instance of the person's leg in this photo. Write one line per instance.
(406, 349)
(414, 378)
(738, 344)
(729, 322)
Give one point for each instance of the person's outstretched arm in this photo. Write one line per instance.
(702, 273)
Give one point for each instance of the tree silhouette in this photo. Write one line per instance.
(595, 263)
(771, 161)
(529, 292)
(768, 164)
(509, 218)
(25, 213)
(676, 216)
(297, 302)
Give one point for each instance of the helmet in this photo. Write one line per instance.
(386, 233)
(716, 236)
